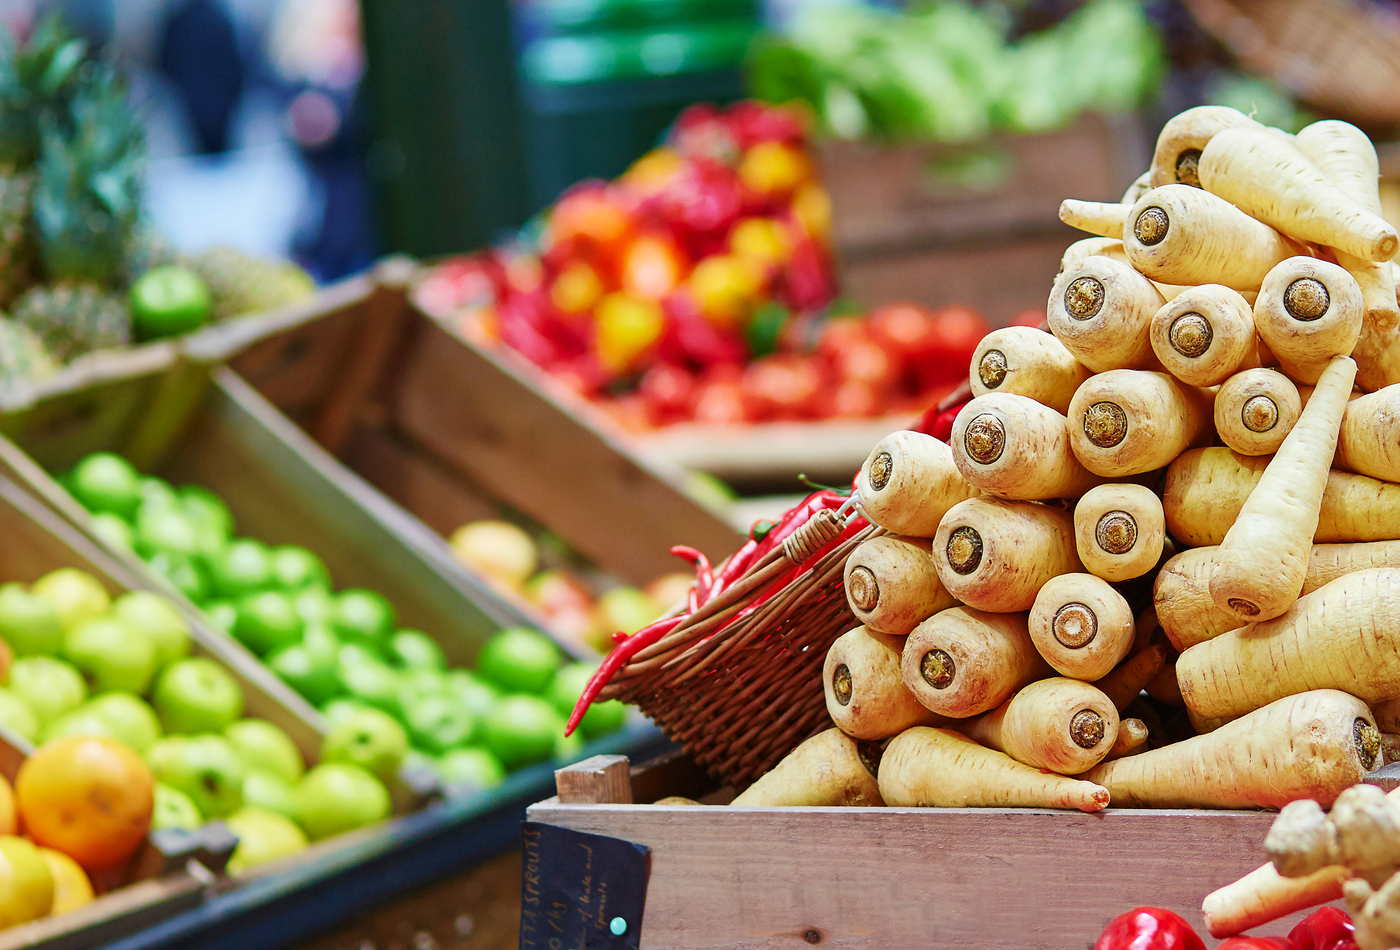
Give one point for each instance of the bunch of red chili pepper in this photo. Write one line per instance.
(1153, 928)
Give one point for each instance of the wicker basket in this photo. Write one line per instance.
(737, 683)
(1341, 57)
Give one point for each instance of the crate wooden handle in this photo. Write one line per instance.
(601, 780)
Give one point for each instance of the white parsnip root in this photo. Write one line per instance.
(1255, 410)
(827, 769)
(1014, 447)
(1081, 626)
(1119, 531)
(1308, 311)
(1024, 361)
(1097, 217)
(1061, 725)
(1204, 335)
(1179, 144)
(1132, 738)
(963, 662)
(1124, 422)
(995, 554)
(1369, 440)
(865, 692)
(909, 482)
(891, 585)
(1100, 309)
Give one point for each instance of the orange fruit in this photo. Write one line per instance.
(71, 887)
(8, 820)
(87, 796)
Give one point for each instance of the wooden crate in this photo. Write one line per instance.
(453, 434)
(903, 231)
(886, 878)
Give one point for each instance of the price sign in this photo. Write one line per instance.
(580, 891)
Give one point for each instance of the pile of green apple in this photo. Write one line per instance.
(87, 664)
(390, 688)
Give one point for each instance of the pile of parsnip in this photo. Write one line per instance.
(1188, 486)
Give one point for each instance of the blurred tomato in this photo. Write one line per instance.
(667, 391)
(811, 207)
(702, 131)
(591, 218)
(838, 332)
(764, 241)
(1030, 317)
(652, 266)
(461, 282)
(522, 273)
(726, 288)
(627, 328)
(754, 122)
(807, 282)
(907, 328)
(774, 170)
(855, 398)
(576, 289)
(719, 399)
(690, 338)
(627, 412)
(582, 375)
(783, 386)
(653, 172)
(480, 325)
(960, 329)
(866, 360)
(702, 202)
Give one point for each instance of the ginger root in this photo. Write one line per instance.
(1376, 913)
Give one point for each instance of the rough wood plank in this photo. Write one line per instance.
(489, 418)
(1386, 777)
(600, 779)
(875, 878)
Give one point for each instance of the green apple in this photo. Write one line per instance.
(315, 678)
(128, 717)
(315, 606)
(567, 748)
(174, 809)
(75, 595)
(519, 660)
(417, 685)
(267, 621)
(438, 723)
(182, 572)
(470, 767)
(165, 528)
(111, 654)
(370, 681)
(522, 729)
(341, 710)
(112, 531)
(335, 797)
(626, 609)
(413, 649)
(156, 491)
(295, 568)
(362, 616)
(208, 512)
(80, 722)
(196, 695)
(474, 694)
(148, 611)
(370, 739)
(601, 718)
(269, 792)
(221, 614)
(48, 687)
(16, 716)
(244, 568)
(321, 642)
(28, 623)
(106, 482)
(263, 836)
(419, 760)
(206, 768)
(264, 747)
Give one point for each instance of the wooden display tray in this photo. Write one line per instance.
(886, 878)
(453, 433)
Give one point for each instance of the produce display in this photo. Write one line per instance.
(509, 558)
(1081, 598)
(1155, 928)
(387, 692)
(946, 71)
(79, 271)
(698, 286)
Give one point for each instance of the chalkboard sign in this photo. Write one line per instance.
(580, 891)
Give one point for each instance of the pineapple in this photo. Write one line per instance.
(22, 354)
(74, 318)
(241, 284)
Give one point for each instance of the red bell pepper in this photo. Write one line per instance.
(1328, 928)
(1257, 943)
(1149, 928)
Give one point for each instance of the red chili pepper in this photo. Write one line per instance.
(1257, 943)
(704, 577)
(1328, 928)
(615, 661)
(1149, 928)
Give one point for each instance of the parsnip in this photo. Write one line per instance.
(1026, 362)
(1100, 309)
(1092, 247)
(1119, 531)
(891, 585)
(1206, 488)
(1344, 154)
(994, 554)
(1303, 746)
(865, 692)
(1183, 235)
(1255, 410)
(909, 482)
(1388, 715)
(1097, 217)
(1125, 422)
(1377, 356)
(1132, 738)
(1264, 895)
(1260, 565)
(827, 769)
(1344, 635)
(1140, 186)
(1128, 679)
(963, 662)
(1308, 311)
(1081, 626)
(1204, 335)
(925, 767)
(1061, 725)
(1179, 144)
(1163, 687)
(1014, 447)
(1267, 177)
(1369, 440)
